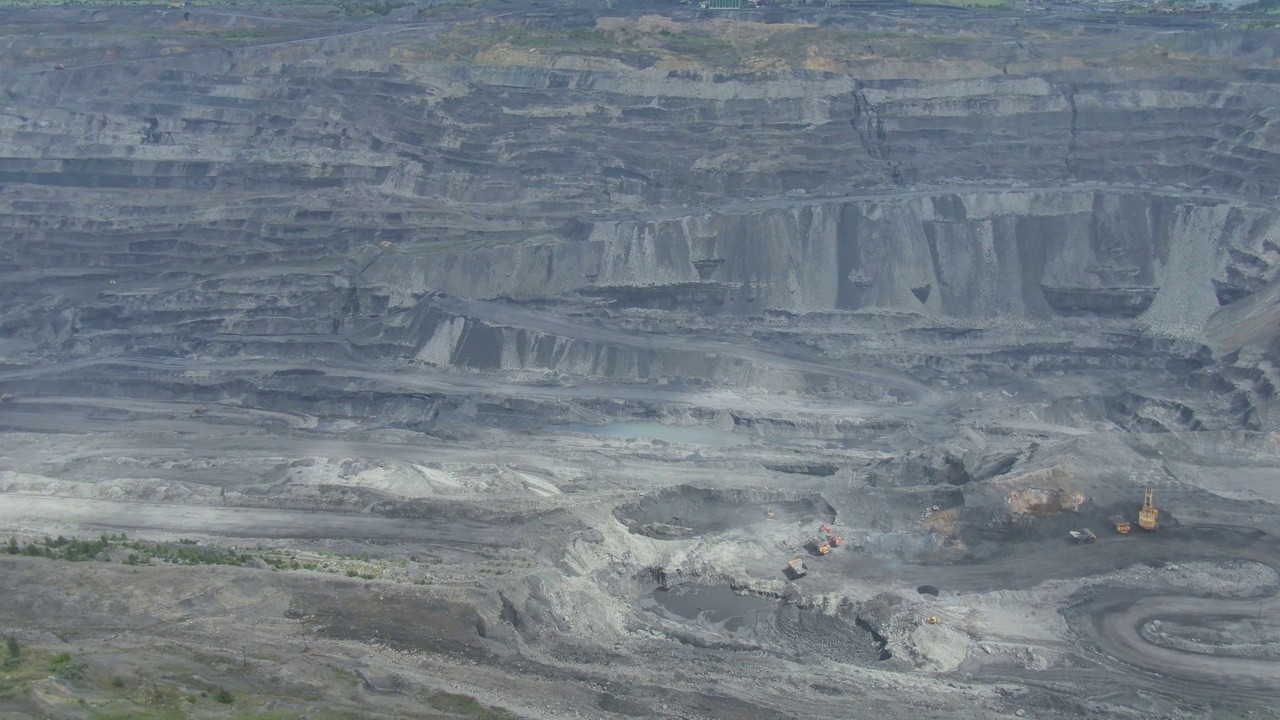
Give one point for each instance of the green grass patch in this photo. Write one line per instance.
(141, 714)
(470, 40)
(151, 699)
(710, 46)
(190, 552)
(706, 48)
(68, 668)
(368, 9)
(240, 34)
(105, 3)
(371, 7)
(445, 7)
(21, 673)
(629, 46)
(223, 696)
(467, 707)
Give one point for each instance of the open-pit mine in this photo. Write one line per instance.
(603, 360)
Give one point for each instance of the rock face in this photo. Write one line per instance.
(353, 185)
(363, 199)
(366, 199)
(1025, 254)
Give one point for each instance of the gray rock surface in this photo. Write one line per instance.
(546, 336)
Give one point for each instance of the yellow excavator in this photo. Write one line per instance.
(1148, 516)
(820, 545)
(825, 540)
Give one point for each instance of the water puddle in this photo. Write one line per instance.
(719, 607)
(693, 434)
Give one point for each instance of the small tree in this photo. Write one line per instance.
(15, 647)
(13, 546)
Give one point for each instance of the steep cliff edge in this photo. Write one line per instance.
(1016, 253)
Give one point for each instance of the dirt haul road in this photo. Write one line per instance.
(163, 519)
(1115, 626)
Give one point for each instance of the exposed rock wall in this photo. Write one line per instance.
(352, 178)
(577, 138)
(1019, 253)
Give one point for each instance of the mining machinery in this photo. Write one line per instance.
(1084, 536)
(1121, 524)
(825, 540)
(820, 545)
(1148, 516)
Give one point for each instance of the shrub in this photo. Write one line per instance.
(155, 694)
(117, 682)
(14, 647)
(65, 667)
(223, 696)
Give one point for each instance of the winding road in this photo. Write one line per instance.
(1107, 620)
(1112, 620)
(1115, 627)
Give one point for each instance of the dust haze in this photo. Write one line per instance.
(581, 359)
